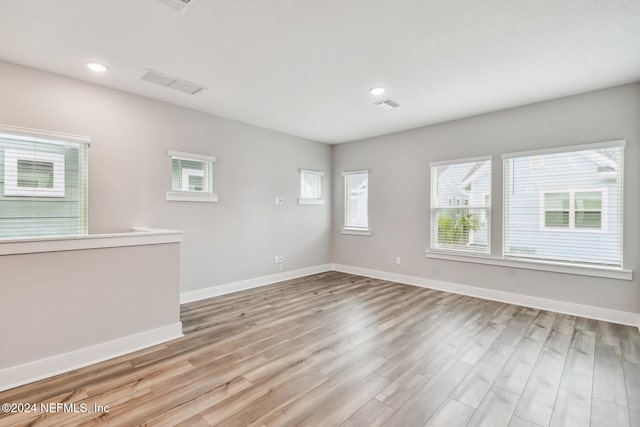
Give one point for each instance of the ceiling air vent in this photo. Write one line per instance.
(387, 105)
(179, 5)
(170, 82)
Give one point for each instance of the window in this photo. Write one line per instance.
(33, 173)
(43, 183)
(461, 206)
(356, 203)
(310, 187)
(573, 210)
(191, 177)
(565, 204)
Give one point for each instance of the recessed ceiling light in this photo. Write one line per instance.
(96, 66)
(377, 90)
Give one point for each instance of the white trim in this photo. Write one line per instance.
(311, 171)
(227, 288)
(44, 368)
(571, 228)
(191, 196)
(38, 135)
(11, 158)
(137, 237)
(532, 264)
(302, 201)
(457, 161)
(566, 149)
(592, 312)
(356, 231)
(190, 156)
(358, 172)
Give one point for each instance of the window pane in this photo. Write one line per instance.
(460, 206)
(556, 219)
(565, 206)
(589, 201)
(43, 187)
(556, 201)
(191, 175)
(588, 219)
(35, 174)
(311, 185)
(356, 200)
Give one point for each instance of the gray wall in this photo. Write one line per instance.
(129, 173)
(63, 301)
(399, 192)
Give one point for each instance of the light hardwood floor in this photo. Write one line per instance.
(336, 349)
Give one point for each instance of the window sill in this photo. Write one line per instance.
(137, 237)
(356, 231)
(178, 196)
(556, 267)
(311, 201)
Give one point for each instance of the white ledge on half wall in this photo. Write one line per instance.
(556, 267)
(138, 236)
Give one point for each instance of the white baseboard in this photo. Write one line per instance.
(227, 288)
(588, 311)
(44, 368)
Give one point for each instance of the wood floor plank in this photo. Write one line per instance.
(632, 382)
(339, 349)
(451, 414)
(573, 404)
(338, 410)
(608, 375)
(608, 414)
(426, 401)
(495, 410)
(373, 414)
(472, 390)
(539, 396)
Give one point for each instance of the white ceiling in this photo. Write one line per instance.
(304, 67)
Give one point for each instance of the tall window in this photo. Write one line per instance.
(191, 177)
(565, 204)
(356, 202)
(43, 183)
(311, 187)
(461, 205)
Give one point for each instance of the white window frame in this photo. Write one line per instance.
(11, 181)
(502, 260)
(350, 229)
(572, 211)
(184, 194)
(311, 200)
(458, 202)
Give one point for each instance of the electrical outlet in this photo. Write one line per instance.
(279, 200)
(398, 260)
(279, 260)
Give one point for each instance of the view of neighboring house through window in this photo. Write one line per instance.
(565, 204)
(191, 177)
(356, 202)
(43, 183)
(461, 205)
(310, 187)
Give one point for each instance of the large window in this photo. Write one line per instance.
(191, 177)
(356, 202)
(565, 204)
(461, 206)
(310, 187)
(43, 183)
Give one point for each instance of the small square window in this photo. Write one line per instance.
(34, 173)
(191, 177)
(311, 187)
